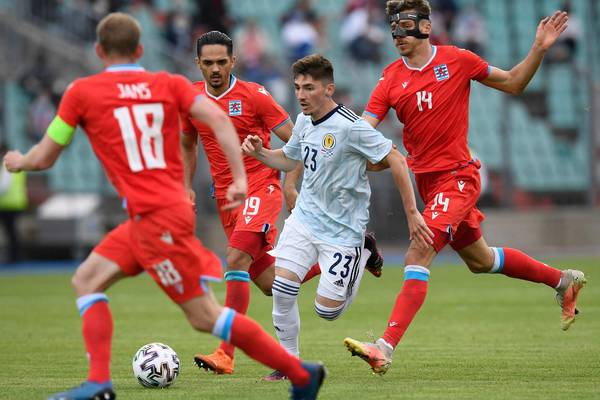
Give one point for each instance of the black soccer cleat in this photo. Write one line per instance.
(375, 262)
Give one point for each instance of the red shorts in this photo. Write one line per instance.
(163, 244)
(258, 215)
(450, 205)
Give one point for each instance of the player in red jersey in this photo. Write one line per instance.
(251, 229)
(131, 118)
(428, 86)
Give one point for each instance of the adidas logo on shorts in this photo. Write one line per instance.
(339, 283)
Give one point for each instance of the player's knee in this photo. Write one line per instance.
(267, 290)
(477, 267)
(238, 261)
(201, 323)
(329, 313)
(82, 285)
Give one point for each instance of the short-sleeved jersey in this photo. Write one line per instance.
(433, 104)
(131, 118)
(253, 112)
(334, 199)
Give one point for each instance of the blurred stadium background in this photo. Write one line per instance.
(541, 150)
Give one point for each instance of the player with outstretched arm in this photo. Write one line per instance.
(428, 86)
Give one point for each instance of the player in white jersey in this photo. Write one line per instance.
(329, 221)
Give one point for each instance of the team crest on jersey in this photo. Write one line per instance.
(329, 141)
(328, 145)
(235, 108)
(441, 72)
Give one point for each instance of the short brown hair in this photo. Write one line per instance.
(420, 6)
(119, 33)
(314, 65)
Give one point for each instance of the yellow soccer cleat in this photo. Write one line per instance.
(375, 354)
(567, 296)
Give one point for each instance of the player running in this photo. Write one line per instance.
(131, 118)
(329, 220)
(250, 229)
(429, 89)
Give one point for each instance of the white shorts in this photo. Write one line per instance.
(298, 250)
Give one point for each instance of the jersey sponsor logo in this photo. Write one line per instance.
(461, 185)
(134, 90)
(441, 72)
(235, 108)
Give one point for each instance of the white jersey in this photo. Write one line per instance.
(334, 200)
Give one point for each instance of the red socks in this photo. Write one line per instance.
(246, 334)
(237, 297)
(408, 303)
(312, 272)
(97, 332)
(516, 264)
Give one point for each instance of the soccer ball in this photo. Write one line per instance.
(155, 365)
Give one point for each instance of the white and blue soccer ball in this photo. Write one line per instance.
(155, 365)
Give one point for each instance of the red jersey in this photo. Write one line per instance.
(433, 104)
(253, 112)
(132, 120)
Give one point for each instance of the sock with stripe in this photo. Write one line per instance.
(409, 301)
(286, 316)
(97, 329)
(312, 272)
(328, 313)
(237, 297)
(246, 334)
(516, 264)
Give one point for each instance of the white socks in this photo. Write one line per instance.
(286, 316)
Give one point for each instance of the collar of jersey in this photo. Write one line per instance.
(232, 82)
(434, 48)
(326, 116)
(124, 67)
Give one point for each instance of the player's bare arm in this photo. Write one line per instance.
(40, 157)
(189, 154)
(290, 184)
(275, 159)
(515, 81)
(374, 122)
(209, 113)
(418, 230)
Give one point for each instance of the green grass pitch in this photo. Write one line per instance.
(476, 337)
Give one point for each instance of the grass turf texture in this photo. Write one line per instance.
(476, 337)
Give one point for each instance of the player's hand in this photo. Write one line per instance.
(549, 29)
(252, 145)
(13, 161)
(418, 230)
(236, 193)
(290, 195)
(192, 197)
